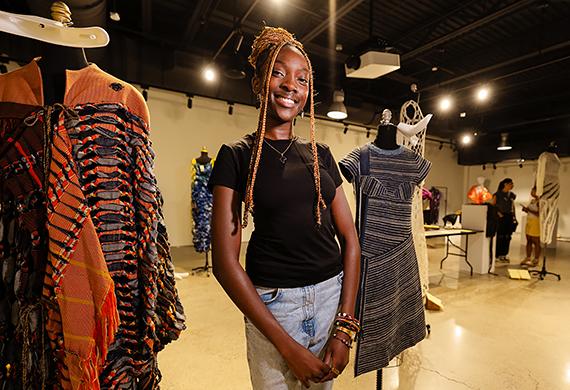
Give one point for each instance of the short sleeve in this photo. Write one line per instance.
(332, 168)
(350, 165)
(226, 170)
(424, 167)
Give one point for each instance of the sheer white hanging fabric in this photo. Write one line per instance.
(50, 31)
(548, 191)
(411, 114)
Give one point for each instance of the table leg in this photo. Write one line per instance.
(446, 252)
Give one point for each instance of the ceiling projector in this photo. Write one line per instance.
(371, 64)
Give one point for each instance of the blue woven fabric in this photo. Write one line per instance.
(201, 206)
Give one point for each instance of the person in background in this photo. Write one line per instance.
(532, 231)
(503, 200)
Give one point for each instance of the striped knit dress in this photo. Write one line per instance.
(390, 304)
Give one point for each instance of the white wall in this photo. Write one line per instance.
(178, 133)
(523, 179)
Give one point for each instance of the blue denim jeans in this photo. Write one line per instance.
(307, 315)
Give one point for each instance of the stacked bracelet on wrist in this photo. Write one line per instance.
(348, 325)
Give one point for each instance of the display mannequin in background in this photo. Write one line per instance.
(479, 194)
(201, 201)
(503, 200)
(296, 279)
(390, 307)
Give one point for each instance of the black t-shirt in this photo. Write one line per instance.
(287, 248)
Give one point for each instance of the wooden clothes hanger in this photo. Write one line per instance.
(57, 32)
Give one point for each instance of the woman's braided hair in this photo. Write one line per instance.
(265, 49)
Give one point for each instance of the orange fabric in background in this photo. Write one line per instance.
(479, 194)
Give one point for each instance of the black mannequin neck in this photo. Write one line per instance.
(386, 137)
(204, 158)
(53, 64)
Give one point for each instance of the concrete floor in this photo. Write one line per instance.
(495, 333)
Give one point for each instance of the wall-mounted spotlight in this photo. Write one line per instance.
(440, 145)
(484, 167)
(189, 102)
(230, 108)
(3, 69)
(463, 115)
(145, 93)
(345, 129)
(367, 132)
(494, 166)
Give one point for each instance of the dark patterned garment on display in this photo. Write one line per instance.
(201, 205)
(111, 150)
(390, 304)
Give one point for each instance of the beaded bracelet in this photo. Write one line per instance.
(345, 342)
(347, 332)
(349, 325)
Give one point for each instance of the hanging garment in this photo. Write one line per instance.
(434, 205)
(548, 191)
(52, 262)
(411, 114)
(390, 305)
(111, 150)
(201, 206)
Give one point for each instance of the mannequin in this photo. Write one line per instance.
(204, 158)
(478, 193)
(385, 176)
(55, 60)
(386, 137)
(202, 207)
(128, 220)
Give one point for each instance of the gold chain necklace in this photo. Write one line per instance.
(283, 159)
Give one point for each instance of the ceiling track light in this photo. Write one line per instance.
(367, 132)
(494, 166)
(189, 102)
(440, 145)
(230, 108)
(484, 167)
(337, 109)
(145, 93)
(345, 129)
(483, 94)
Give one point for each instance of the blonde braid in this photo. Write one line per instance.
(273, 40)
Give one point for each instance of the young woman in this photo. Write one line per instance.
(298, 291)
(532, 231)
(503, 200)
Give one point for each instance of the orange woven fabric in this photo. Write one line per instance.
(79, 277)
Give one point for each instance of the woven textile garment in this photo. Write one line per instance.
(110, 143)
(201, 206)
(548, 190)
(390, 299)
(47, 235)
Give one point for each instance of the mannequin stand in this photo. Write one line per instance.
(379, 379)
(205, 268)
(543, 272)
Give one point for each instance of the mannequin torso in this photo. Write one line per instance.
(53, 64)
(386, 137)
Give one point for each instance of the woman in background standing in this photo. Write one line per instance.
(503, 200)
